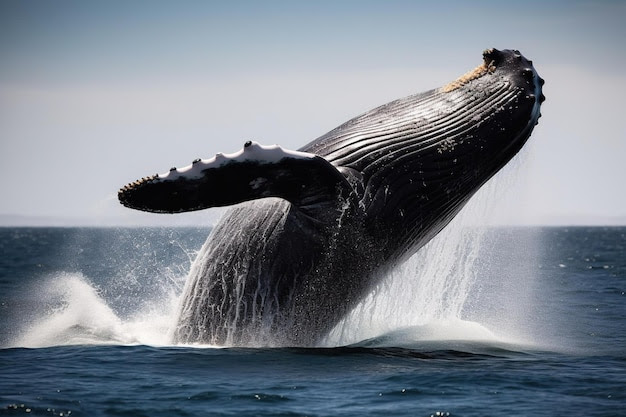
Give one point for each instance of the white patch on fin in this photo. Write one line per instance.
(271, 154)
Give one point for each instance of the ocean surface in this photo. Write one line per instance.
(502, 321)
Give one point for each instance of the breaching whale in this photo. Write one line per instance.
(318, 228)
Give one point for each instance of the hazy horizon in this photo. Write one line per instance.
(209, 218)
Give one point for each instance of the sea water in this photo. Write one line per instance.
(498, 321)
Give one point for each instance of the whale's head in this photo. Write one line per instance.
(500, 101)
(419, 159)
(474, 127)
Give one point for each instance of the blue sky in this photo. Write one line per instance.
(96, 94)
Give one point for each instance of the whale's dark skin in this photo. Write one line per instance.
(346, 209)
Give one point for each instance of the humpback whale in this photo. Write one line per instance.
(313, 231)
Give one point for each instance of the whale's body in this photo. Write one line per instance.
(317, 228)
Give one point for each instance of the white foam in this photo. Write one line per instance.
(451, 329)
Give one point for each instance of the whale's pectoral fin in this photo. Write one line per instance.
(306, 180)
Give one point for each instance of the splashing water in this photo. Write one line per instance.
(447, 291)
(126, 292)
(81, 316)
(429, 290)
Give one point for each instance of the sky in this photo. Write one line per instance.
(94, 95)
